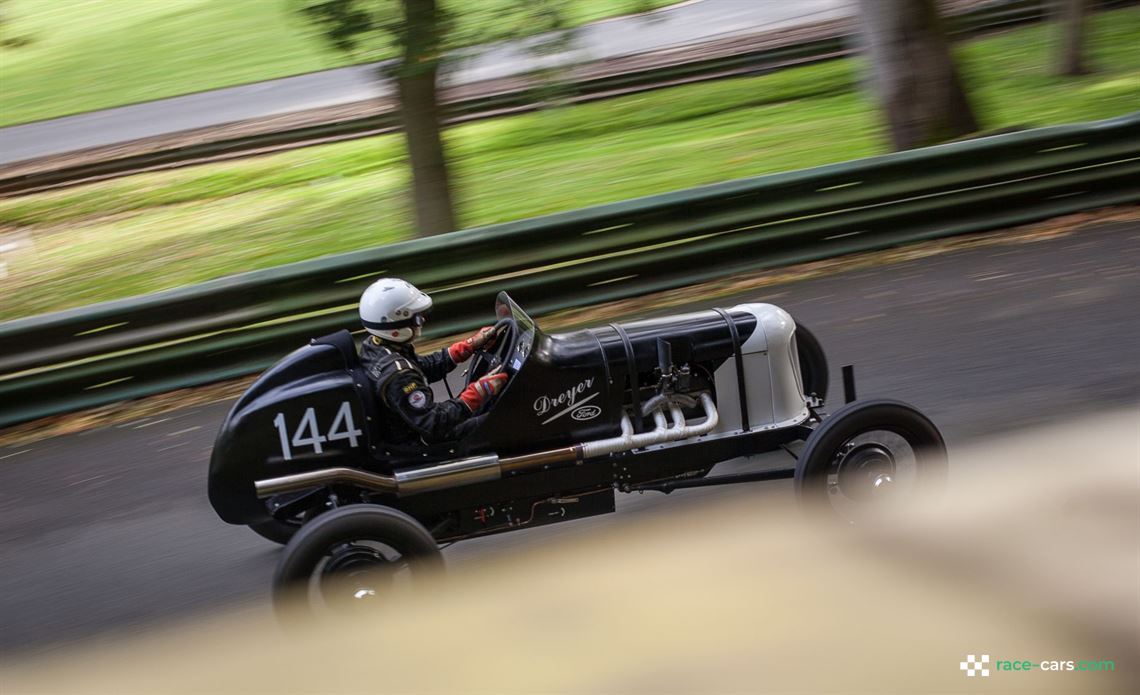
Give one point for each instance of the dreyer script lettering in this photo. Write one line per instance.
(545, 404)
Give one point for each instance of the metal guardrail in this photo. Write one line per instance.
(987, 17)
(94, 355)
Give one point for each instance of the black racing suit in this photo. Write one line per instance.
(400, 381)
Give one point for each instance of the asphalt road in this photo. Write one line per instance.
(108, 531)
(686, 23)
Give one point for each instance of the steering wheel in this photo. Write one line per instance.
(483, 361)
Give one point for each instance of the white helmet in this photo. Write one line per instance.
(393, 309)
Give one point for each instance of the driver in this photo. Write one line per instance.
(393, 311)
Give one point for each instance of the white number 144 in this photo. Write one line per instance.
(308, 434)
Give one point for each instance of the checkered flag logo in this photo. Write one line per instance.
(974, 665)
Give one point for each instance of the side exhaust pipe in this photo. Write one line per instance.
(466, 471)
(479, 469)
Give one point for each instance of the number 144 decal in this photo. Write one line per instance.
(308, 434)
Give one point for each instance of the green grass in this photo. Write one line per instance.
(160, 230)
(80, 55)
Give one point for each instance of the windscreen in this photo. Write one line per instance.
(504, 307)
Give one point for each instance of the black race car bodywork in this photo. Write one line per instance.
(647, 405)
(314, 409)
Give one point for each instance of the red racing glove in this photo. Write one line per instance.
(475, 395)
(461, 351)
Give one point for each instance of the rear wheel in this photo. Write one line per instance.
(867, 454)
(351, 559)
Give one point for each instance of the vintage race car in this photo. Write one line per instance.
(651, 405)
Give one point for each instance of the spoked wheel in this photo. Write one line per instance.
(349, 560)
(867, 455)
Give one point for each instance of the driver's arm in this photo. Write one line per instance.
(410, 398)
(437, 365)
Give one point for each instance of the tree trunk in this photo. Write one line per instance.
(422, 119)
(1070, 50)
(431, 182)
(913, 73)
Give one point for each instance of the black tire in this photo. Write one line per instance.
(813, 363)
(317, 539)
(818, 460)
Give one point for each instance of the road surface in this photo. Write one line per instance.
(682, 24)
(108, 531)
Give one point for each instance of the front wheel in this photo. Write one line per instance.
(351, 559)
(869, 453)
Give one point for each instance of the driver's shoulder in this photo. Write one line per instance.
(382, 362)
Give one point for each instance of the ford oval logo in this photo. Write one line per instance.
(586, 412)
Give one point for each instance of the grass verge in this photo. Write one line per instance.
(155, 231)
(66, 56)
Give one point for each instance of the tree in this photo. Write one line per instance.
(913, 73)
(422, 49)
(417, 29)
(423, 33)
(1070, 49)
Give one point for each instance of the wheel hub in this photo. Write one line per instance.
(866, 472)
(355, 573)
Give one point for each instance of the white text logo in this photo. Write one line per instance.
(567, 400)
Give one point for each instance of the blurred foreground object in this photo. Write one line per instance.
(1032, 557)
(913, 73)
